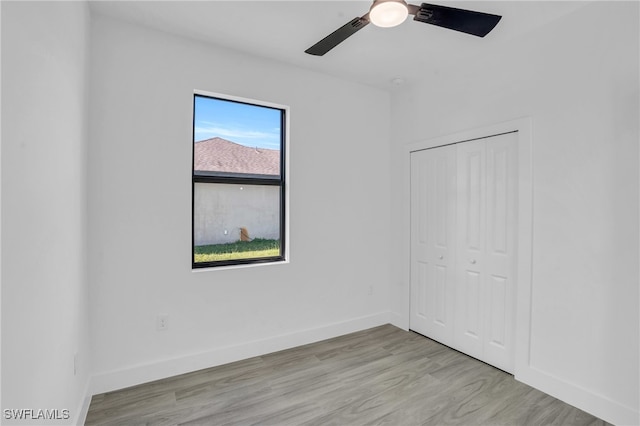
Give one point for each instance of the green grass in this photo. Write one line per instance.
(238, 250)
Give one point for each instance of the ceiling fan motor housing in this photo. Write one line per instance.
(377, 2)
(388, 13)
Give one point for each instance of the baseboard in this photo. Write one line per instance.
(143, 373)
(83, 406)
(584, 399)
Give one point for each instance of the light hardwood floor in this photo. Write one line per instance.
(383, 375)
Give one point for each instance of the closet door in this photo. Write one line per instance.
(433, 207)
(470, 306)
(500, 250)
(486, 247)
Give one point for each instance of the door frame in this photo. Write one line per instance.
(523, 127)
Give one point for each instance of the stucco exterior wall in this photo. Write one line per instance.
(220, 210)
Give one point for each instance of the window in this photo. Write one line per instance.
(239, 196)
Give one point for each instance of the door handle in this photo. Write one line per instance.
(473, 261)
(441, 257)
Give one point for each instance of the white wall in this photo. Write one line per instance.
(44, 273)
(578, 79)
(142, 83)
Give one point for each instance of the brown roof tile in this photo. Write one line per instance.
(221, 155)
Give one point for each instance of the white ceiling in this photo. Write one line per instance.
(282, 30)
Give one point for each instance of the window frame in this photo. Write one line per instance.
(282, 182)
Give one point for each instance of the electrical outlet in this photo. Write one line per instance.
(162, 322)
(75, 364)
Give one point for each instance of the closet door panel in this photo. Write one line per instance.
(420, 189)
(470, 304)
(433, 217)
(471, 292)
(500, 251)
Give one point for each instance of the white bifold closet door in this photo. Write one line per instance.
(463, 246)
(433, 239)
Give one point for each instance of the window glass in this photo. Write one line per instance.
(238, 182)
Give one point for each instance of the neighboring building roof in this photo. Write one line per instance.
(221, 155)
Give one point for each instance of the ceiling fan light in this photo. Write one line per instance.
(388, 13)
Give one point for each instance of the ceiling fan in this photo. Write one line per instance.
(389, 13)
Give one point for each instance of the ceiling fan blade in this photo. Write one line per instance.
(466, 21)
(338, 36)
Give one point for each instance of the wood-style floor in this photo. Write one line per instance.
(379, 376)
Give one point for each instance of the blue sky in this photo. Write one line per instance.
(245, 124)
